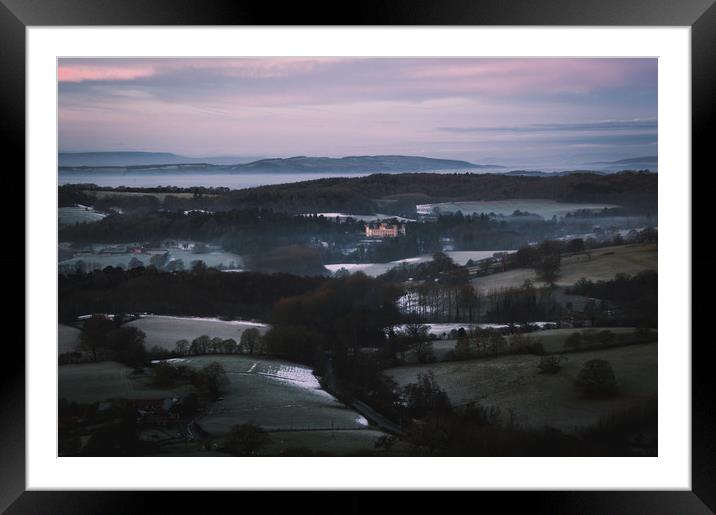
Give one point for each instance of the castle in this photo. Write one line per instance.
(383, 230)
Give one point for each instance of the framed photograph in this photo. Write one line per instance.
(415, 249)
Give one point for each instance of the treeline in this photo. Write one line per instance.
(204, 293)
(634, 298)
(239, 230)
(628, 188)
(365, 194)
(532, 256)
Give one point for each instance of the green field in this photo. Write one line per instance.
(95, 382)
(545, 208)
(603, 265)
(552, 340)
(165, 331)
(282, 397)
(530, 399)
(275, 395)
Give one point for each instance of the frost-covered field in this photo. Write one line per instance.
(275, 395)
(78, 214)
(67, 338)
(211, 259)
(441, 330)
(513, 384)
(364, 218)
(542, 207)
(375, 269)
(164, 331)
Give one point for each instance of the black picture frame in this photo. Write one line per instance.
(700, 15)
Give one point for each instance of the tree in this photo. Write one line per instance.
(198, 267)
(182, 347)
(94, 334)
(250, 339)
(548, 268)
(200, 345)
(212, 379)
(216, 345)
(134, 263)
(246, 440)
(229, 346)
(417, 338)
(159, 260)
(597, 379)
(127, 343)
(175, 265)
(425, 396)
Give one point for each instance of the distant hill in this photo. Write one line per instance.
(397, 193)
(124, 159)
(634, 163)
(647, 159)
(144, 161)
(359, 164)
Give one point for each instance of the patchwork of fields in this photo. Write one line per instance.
(282, 397)
(95, 382)
(275, 395)
(543, 207)
(603, 265)
(216, 259)
(461, 257)
(514, 384)
(552, 340)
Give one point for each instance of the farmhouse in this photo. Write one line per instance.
(383, 230)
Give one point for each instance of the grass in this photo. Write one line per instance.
(604, 264)
(277, 395)
(552, 340)
(543, 207)
(165, 331)
(161, 196)
(67, 338)
(95, 382)
(211, 259)
(282, 397)
(530, 399)
(72, 215)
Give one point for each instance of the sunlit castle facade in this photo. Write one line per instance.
(383, 230)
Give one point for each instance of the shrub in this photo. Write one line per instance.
(425, 396)
(573, 341)
(550, 364)
(597, 379)
(246, 440)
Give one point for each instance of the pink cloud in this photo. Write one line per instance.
(81, 73)
(75, 70)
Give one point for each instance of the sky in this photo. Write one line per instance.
(518, 112)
